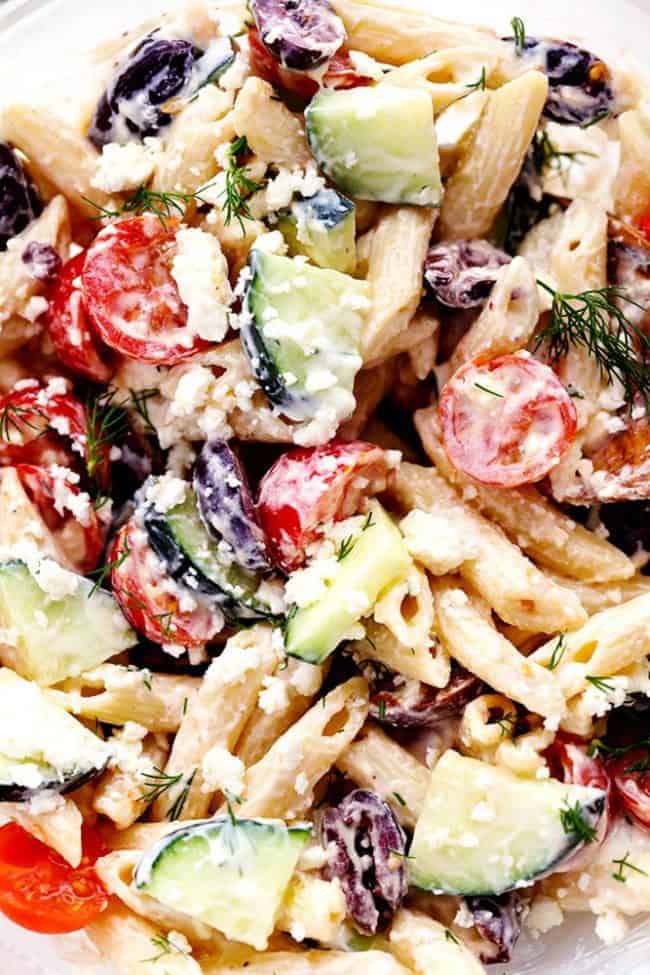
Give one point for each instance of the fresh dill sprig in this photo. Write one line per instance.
(175, 811)
(381, 710)
(165, 206)
(165, 621)
(140, 404)
(480, 84)
(232, 800)
(596, 119)
(399, 798)
(158, 783)
(546, 155)
(486, 389)
(238, 184)
(345, 548)
(146, 679)
(558, 652)
(104, 571)
(368, 523)
(573, 822)
(624, 864)
(601, 684)
(450, 936)
(594, 321)
(599, 747)
(164, 946)
(519, 34)
(106, 422)
(14, 417)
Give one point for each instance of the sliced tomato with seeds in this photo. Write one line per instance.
(310, 486)
(72, 523)
(340, 72)
(130, 295)
(631, 777)
(507, 421)
(68, 325)
(36, 418)
(40, 891)
(149, 597)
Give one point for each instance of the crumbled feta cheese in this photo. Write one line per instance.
(222, 771)
(301, 785)
(201, 273)
(126, 167)
(544, 914)
(166, 492)
(35, 307)
(271, 243)
(306, 678)
(611, 927)
(274, 697)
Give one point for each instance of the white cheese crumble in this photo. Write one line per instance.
(166, 492)
(121, 168)
(200, 270)
(35, 307)
(274, 697)
(222, 771)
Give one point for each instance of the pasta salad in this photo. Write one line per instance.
(324, 483)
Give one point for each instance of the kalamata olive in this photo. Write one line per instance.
(579, 82)
(226, 505)
(368, 858)
(404, 703)
(628, 524)
(461, 273)
(42, 261)
(19, 201)
(131, 108)
(498, 920)
(301, 34)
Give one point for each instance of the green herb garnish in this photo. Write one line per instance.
(519, 34)
(165, 206)
(175, 811)
(104, 571)
(624, 864)
(158, 783)
(238, 185)
(601, 684)
(486, 389)
(558, 652)
(573, 823)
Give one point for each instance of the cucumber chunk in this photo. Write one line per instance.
(47, 639)
(181, 541)
(42, 747)
(377, 559)
(322, 227)
(377, 143)
(301, 333)
(485, 831)
(232, 874)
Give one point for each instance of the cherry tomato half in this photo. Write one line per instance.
(631, 777)
(149, 597)
(33, 419)
(310, 486)
(507, 421)
(644, 224)
(130, 295)
(75, 529)
(40, 891)
(340, 73)
(68, 325)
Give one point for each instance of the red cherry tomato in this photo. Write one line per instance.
(40, 891)
(150, 599)
(68, 326)
(76, 530)
(130, 295)
(507, 421)
(310, 486)
(340, 73)
(631, 777)
(32, 419)
(644, 224)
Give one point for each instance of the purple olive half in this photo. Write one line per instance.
(226, 505)
(19, 201)
(41, 260)
(368, 858)
(301, 34)
(498, 920)
(461, 273)
(412, 704)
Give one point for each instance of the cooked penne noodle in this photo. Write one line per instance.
(273, 133)
(128, 941)
(632, 187)
(425, 947)
(58, 827)
(120, 795)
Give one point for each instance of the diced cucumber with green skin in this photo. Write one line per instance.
(301, 333)
(378, 558)
(377, 143)
(181, 541)
(46, 639)
(232, 874)
(43, 747)
(484, 831)
(323, 228)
